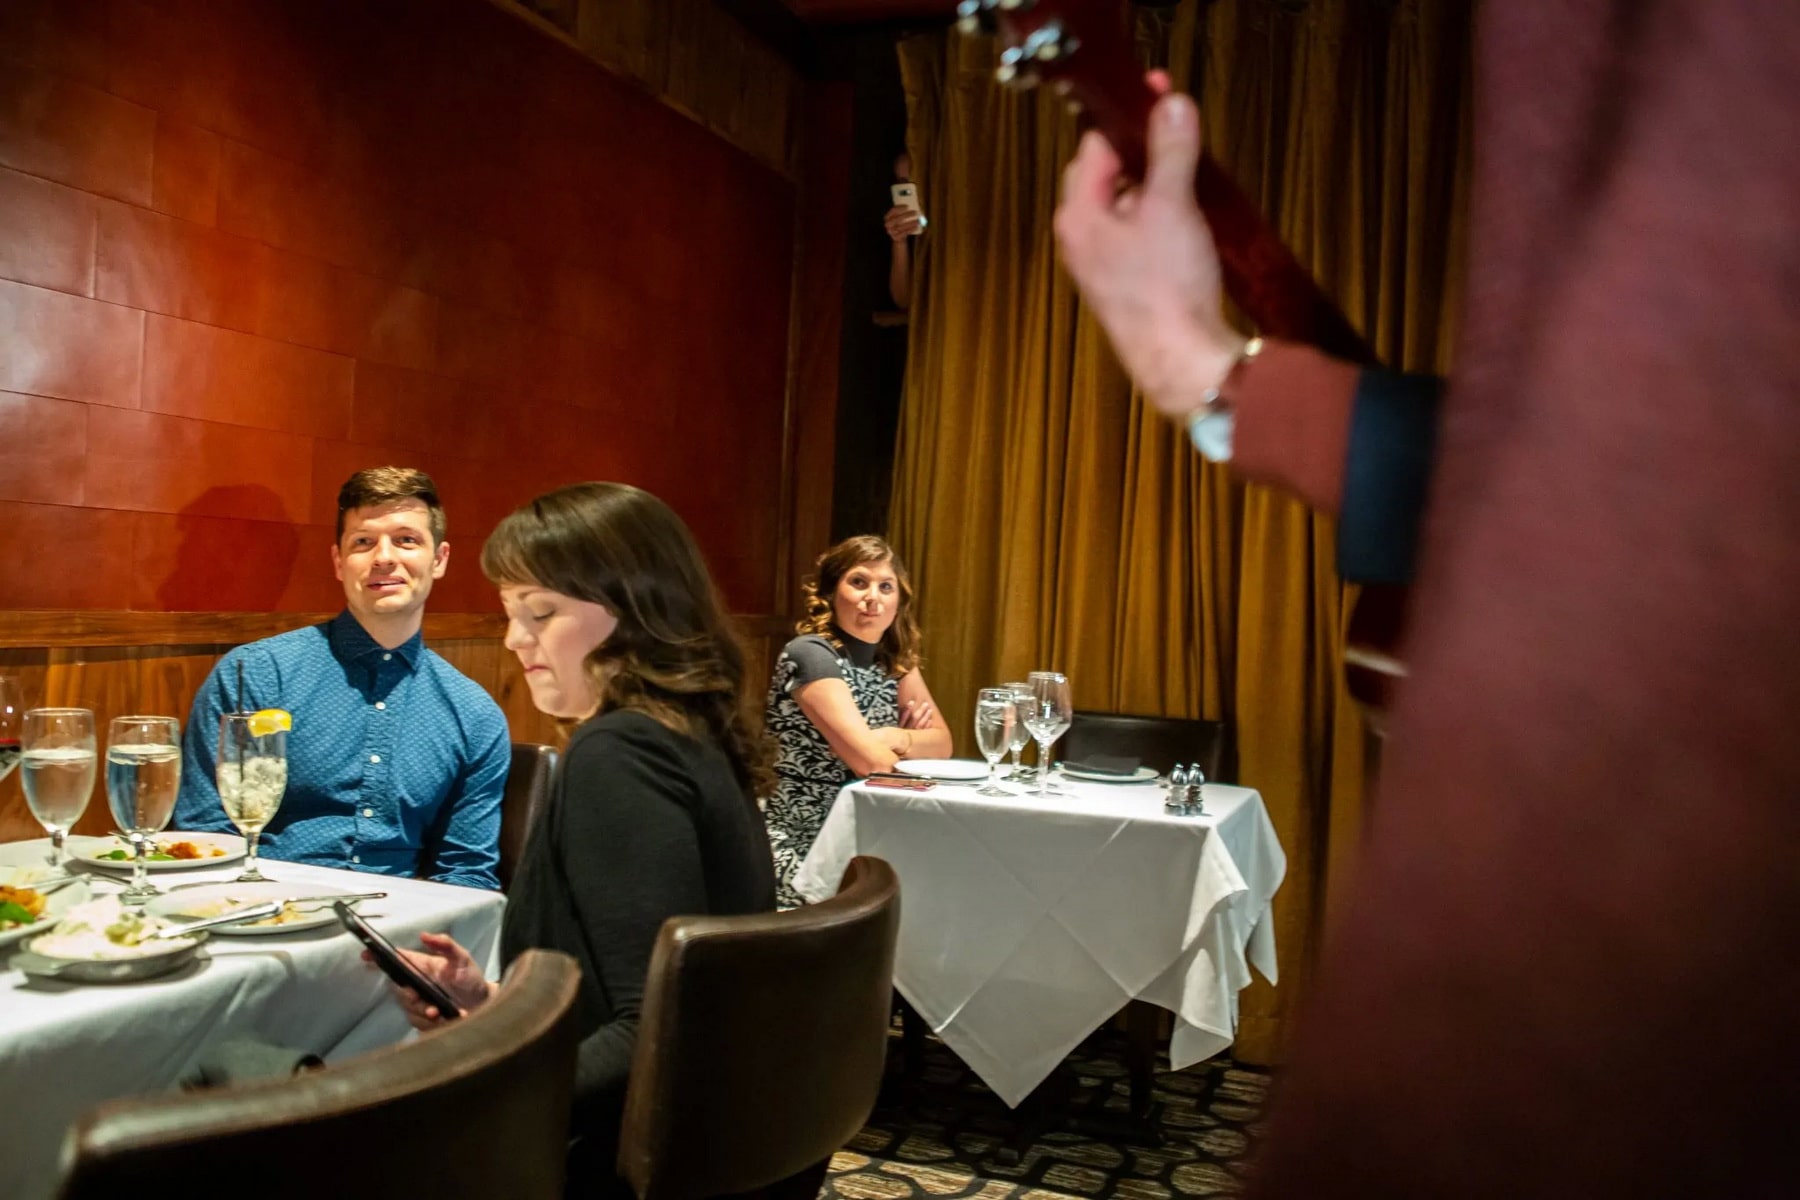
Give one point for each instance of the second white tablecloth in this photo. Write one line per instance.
(1026, 924)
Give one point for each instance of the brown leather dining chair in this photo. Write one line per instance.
(476, 1109)
(761, 1044)
(527, 792)
(1158, 742)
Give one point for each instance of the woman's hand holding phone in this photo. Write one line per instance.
(448, 965)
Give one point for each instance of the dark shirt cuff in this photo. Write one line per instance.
(1387, 476)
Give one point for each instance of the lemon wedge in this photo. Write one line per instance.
(270, 720)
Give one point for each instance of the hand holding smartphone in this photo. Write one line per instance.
(906, 195)
(394, 965)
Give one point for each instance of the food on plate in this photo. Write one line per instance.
(165, 851)
(223, 905)
(19, 906)
(103, 928)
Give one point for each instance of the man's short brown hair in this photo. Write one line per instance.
(381, 485)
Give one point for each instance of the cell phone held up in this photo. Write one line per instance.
(393, 965)
(906, 195)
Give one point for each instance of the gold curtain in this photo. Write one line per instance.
(1051, 520)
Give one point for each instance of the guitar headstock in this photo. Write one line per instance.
(1039, 42)
(1083, 49)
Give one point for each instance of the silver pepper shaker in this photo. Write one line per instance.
(1177, 797)
(1196, 780)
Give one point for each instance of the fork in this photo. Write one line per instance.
(257, 912)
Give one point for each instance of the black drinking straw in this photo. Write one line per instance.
(240, 703)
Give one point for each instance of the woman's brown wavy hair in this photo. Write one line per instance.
(898, 652)
(674, 655)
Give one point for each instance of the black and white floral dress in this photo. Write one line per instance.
(808, 774)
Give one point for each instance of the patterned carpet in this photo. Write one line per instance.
(943, 1143)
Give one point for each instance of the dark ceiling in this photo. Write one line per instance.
(856, 12)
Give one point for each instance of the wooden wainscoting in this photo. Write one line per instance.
(118, 663)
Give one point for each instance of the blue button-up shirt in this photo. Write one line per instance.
(396, 763)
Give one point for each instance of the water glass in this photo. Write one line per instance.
(57, 768)
(995, 719)
(1021, 736)
(1051, 710)
(252, 778)
(143, 778)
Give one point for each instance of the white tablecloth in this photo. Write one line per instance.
(67, 1047)
(1025, 925)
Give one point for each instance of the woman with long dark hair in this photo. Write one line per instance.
(847, 697)
(612, 614)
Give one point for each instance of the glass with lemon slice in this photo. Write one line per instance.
(252, 774)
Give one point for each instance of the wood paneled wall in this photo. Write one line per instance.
(696, 58)
(75, 666)
(250, 246)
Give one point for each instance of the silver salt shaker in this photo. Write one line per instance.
(1176, 800)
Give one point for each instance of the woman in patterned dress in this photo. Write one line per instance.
(847, 697)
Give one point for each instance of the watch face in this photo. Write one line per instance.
(1211, 434)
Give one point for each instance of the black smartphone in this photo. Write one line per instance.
(393, 965)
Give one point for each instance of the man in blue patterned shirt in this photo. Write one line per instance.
(397, 761)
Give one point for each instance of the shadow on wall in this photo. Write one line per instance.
(241, 563)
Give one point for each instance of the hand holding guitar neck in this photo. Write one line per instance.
(1083, 49)
(1146, 261)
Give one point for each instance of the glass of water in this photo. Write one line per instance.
(995, 719)
(1021, 736)
(1050, 712)
(252, 778)
(56, 765)
(143, 778)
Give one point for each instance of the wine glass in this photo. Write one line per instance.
(1048, 716)
(11, 710)
(1021, 736)
(143, 778)
(995, 718)
(252, 777)
(57, 769)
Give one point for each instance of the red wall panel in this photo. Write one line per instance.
(247, 248)
(43, 449)
(46, 233)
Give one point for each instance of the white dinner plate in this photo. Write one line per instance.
(207, 899)
(87, 850)
(111, 970)
(55, 904)
(943, 768)
(1140, 775)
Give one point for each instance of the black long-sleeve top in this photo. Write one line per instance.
(643, 824)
